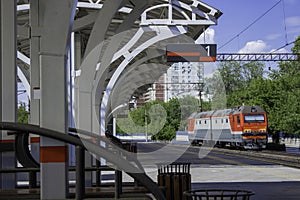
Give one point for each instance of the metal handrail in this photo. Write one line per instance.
(122, 163)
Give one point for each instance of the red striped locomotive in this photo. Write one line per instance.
(242, 127)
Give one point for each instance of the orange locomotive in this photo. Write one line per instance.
(242, 127)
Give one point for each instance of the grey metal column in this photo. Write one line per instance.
(77, 51)
(55, 19)
(87, 157)
(34, 75)
(80, 187)
(8, 84)
(102, 23)
(85, 118)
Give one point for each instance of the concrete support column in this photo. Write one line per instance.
(8, 86)
(53, 154)
(51, 30)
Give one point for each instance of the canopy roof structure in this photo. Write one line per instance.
(80, 60)
(130, 37)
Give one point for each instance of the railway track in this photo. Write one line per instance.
(272, 157)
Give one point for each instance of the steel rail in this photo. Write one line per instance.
(285, 160)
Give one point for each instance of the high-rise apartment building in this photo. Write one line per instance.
(181, 79)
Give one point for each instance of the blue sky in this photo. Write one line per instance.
(265, 35)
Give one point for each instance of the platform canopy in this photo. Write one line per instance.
(130, 35)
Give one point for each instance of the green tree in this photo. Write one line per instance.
(163, 119)
(287, 81)
(236, 75)
(22, 114)
(166, 134)
(278, 94)
(188, 105)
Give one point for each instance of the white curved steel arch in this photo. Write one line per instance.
(25, 59)
(127, 88)
(180, 7)
(86, 80)
(24, 79)
(128, 56)
(101, 73)
(121, 86)
(97, 5)
(140, 81)
(163, 32)
(168, 5)
(94, 38)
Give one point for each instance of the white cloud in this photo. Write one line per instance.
(257, 46)
(293, 21)
(283, 50)
(207, 37)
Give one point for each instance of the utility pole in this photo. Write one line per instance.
(146, 125)
(200, 75)
(200, 85)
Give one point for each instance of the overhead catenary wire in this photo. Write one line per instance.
(287, 44)
(284, 20)
(245, 29)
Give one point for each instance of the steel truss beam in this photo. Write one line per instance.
(258, 57)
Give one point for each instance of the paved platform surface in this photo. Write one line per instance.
(268, 182)
(262, 190)
(231, 173)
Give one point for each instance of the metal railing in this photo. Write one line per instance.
(108, 154)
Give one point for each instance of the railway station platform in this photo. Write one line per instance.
(266, 181)
(291, 142)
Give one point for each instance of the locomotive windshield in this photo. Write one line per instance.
(254, 118)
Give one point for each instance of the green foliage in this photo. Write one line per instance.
(286, 83)
(22, 114)
(188, 105)
(278, 94)
(163, 119)
(237, 75)
(167, 133)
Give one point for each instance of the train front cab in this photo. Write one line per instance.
(254, 130)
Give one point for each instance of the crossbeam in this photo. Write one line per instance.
(257, 57)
